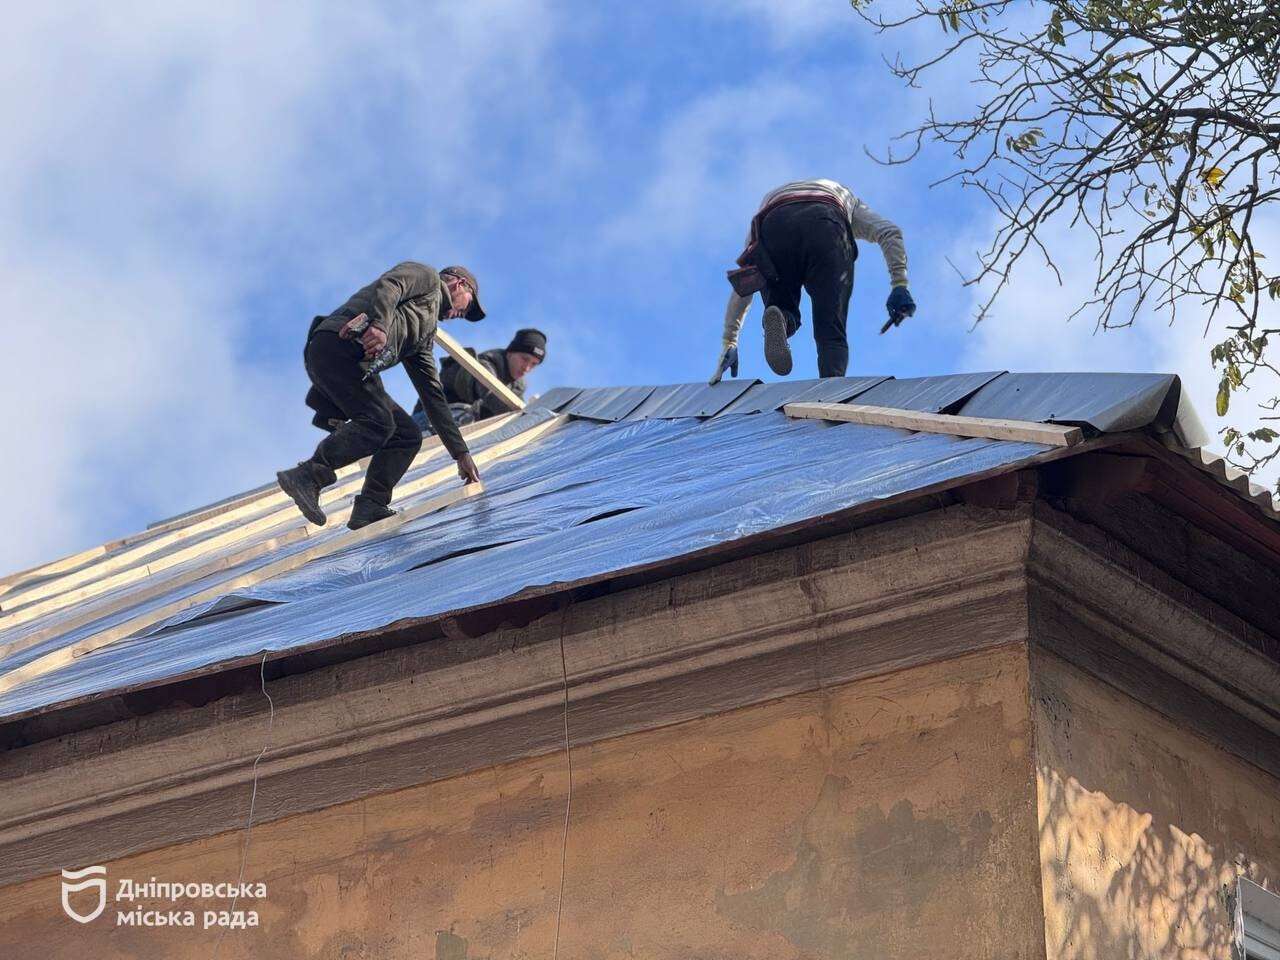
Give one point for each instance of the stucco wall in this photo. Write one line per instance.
(1144, 826)
(892, 817)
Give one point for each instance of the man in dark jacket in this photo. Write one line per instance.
(392, 320)
(469, 399)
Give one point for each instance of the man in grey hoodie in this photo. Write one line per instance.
(804, 234)
(392, 320)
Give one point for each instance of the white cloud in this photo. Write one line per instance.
(714, 159)
(161, 159)
(791, 21)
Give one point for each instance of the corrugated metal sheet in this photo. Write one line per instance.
(589, 500)
(767, 397)
(926, 394)
(607, 403)
(557, 398)
(1217, 467)
(689, 400)
(1108, 402)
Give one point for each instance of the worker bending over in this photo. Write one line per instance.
(392, 320)
(805, 235)
(469, 399)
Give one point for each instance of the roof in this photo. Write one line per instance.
(585, 485)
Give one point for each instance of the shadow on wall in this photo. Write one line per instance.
(860, 876)
(1119, 882)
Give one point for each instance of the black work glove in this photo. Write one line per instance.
(900, 306)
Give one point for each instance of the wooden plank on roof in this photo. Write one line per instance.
(113, 581)
(342, 541)
(155, 587)
(478, 370)
(1020, 430)
(121, 631)
(53, 567)
(255, 497)
(259, 497)
(99, 573)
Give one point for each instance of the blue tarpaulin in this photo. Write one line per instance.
(636, 477)
(589, 500)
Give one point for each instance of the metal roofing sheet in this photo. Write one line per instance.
(555, 399)
(1108, 402)
(926, 394)
(766, 397)
(653, 490)
(607, 403)
(1224, 473)
(689, 400)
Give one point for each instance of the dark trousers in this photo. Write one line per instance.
(810, 246)
(375, 424)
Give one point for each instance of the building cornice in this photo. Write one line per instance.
(924, 588)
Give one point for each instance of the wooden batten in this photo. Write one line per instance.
(128, 628)
(154, 587)
(275, 568)
(1018, 430)
(116, 569)
(478, 370)
(14, 580)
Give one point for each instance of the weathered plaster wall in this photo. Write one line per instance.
(1144, 826)
(890, 818)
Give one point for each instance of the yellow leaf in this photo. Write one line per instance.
(1213, 176)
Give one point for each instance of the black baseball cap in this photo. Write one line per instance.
(475, 311)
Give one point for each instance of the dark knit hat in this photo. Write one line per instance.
(474, 312)
(530, 341)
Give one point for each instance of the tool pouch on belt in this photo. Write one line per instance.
(755, 270)
(746, 281)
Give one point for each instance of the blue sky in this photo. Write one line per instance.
(182, 188)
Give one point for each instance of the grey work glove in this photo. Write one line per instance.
(728, 361)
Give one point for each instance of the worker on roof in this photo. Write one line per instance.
(469, 399)
(805, 235)
(392, 320)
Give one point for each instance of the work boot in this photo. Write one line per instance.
(303, 484)
(366, 511)
(777, 352)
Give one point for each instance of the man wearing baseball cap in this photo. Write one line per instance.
(469, 399)
(392, 320)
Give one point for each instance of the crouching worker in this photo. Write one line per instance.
(804, 235)
(469, 399)
(392, 320)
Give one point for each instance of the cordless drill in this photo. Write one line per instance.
(355, 327)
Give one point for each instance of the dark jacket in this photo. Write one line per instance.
(462, 387)
(406, 303)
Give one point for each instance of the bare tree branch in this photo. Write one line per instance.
(1152, 124)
